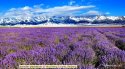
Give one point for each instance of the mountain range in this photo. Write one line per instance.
(36, 20)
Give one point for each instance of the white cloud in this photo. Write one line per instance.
(107, 13)
(25, 11)
(37, 10)
(93, 12)
(26, 8)
(67, 8)
(72, 2)
(38, 6)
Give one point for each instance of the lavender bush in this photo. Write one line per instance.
(89, 48)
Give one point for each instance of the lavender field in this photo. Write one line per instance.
(89, 48)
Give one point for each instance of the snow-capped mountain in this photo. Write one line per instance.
(62, 20)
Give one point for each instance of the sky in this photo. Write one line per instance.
(62, 7)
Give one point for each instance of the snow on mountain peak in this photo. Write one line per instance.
(57, 19)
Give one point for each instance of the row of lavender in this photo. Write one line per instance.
(89, 48)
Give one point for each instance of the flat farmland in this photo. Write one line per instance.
(87, 47)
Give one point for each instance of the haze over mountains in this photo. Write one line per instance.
(36, 20)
